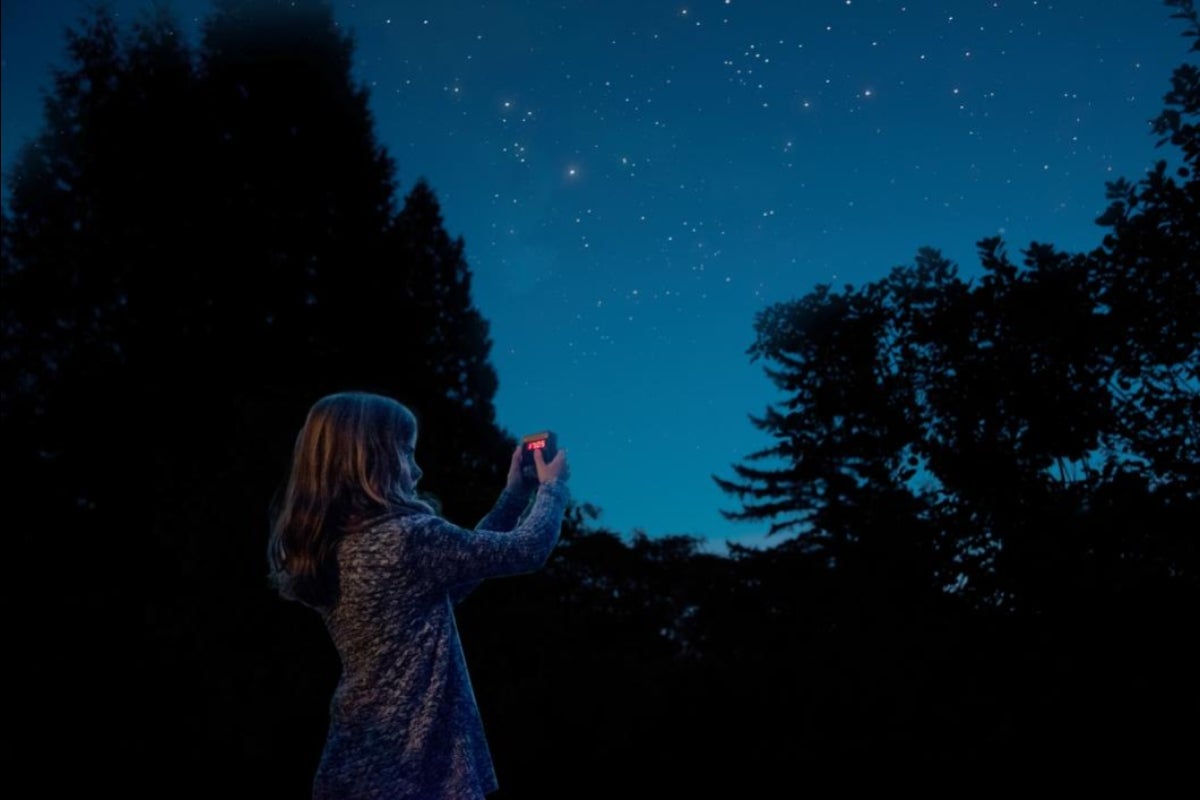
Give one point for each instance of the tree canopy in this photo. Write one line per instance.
(1028, 437)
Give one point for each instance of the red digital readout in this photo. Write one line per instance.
(538, 445)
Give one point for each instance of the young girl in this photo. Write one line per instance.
(351, 540)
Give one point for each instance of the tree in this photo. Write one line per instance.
(984, 436)
(991, 486)
(449, 344)
(74, 449)
(844, 437)
(198, 245)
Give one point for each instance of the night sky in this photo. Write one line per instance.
(634, 179)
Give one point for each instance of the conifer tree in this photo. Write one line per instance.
(450, 379)
(198, 245)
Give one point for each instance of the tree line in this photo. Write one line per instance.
(984, 490)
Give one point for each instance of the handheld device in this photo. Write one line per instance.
(547, 442)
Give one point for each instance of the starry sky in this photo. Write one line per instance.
(635, 179)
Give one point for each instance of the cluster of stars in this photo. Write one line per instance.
(647, 176)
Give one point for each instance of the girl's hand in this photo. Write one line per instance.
(557, 469)
(515, 478)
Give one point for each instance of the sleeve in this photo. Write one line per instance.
(502, 518)
(443, 555)
(506, 512)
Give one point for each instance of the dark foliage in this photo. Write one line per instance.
(198, 246)
(1021, 447)
(973, 436)
(989, 482)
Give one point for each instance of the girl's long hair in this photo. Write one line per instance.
(350, 467)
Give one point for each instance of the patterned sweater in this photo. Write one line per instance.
(403, 721)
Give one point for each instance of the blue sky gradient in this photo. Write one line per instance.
(634, 180)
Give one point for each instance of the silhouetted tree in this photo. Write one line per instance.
(79, 470)
(966, 435)
(449, 343)
(1025, 441)
(198, 245)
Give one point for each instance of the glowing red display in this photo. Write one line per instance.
(538, 445)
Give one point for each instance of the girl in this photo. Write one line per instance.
(351, 539)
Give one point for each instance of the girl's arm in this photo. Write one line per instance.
(446, 555)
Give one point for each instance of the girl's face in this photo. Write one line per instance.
(409, 453)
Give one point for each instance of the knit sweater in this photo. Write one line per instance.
(403, 722)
